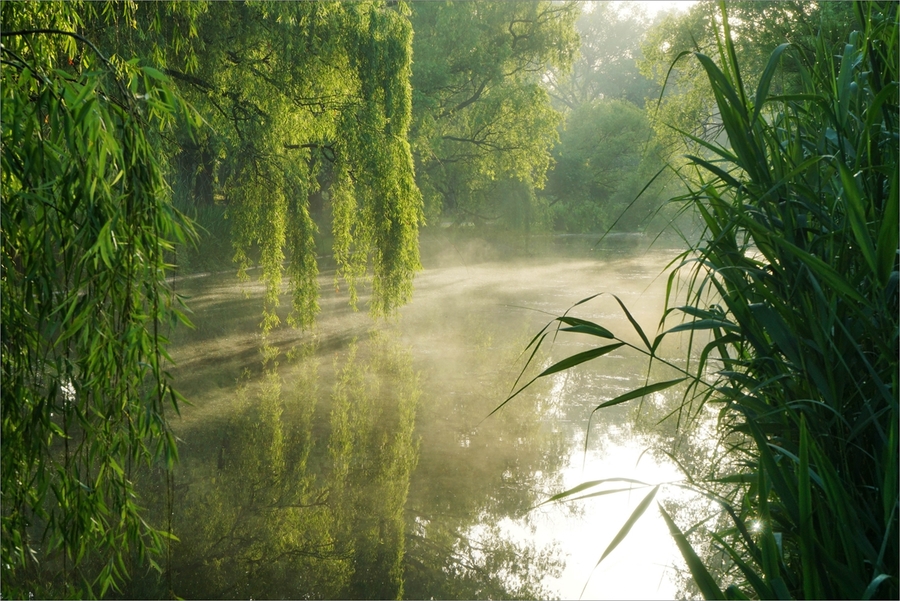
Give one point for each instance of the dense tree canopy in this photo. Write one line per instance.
(480, 113)
(606, 66)
(94, 120)
(286, 87)
(605, 157)
(606, 150)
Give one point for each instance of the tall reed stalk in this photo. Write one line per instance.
(794, 288)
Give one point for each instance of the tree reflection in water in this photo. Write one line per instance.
(299, 490)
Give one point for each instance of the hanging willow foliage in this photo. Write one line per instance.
(300, 96)
(86, 220)
(293, 96)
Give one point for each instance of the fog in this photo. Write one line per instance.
(382, 430)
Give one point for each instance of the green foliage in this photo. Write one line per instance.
(688, 104)
(607, 150)
(605, 156)
(606, 67)
(791, 300)
(86, 221)
(285, 501)
(481, 115)
(288, 88)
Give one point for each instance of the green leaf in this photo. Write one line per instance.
(733, 592)
(856, 211)
(634, 323)
(811, 588)
(579, 358)
(715, 170)
(639, 392)
(762, 590)
(704, 324)
(873, 586)
(821, 270)
(626, 527)
(583, 326)
(762, 89)
(888, 234)
(704, 580)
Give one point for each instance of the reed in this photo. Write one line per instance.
(792, 308)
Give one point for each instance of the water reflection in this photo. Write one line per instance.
(358, 463)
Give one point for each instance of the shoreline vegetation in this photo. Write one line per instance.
(145, 144)
(791, 308)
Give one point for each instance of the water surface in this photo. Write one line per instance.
(358, 460)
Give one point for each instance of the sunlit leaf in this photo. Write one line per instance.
(704, 580)
(639, 392)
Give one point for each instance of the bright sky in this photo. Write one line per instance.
(654, 6)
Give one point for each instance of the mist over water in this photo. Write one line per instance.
(358, 460)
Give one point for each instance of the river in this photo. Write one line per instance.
(358, 460)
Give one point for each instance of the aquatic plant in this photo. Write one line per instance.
(791, 311)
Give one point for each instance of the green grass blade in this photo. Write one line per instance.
(579, 358)
(639, 392)
(821, 270)
(634, 323)
(769, 465)
(857, 213)
(733, 592)
(704, 324)
(873, 586)
(704, 580)
(762, 590)
(811, 588)
(583, 326)
(626, 527)
(582, 301)
(886, 246)
(717, 171)
(762, 89)
(539, 338)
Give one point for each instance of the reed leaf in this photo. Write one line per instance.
(627, 526)
(704, 580)
(793, 295)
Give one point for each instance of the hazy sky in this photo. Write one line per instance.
(654, 6)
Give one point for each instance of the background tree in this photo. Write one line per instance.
(606, 151)
(481, 115)
(606, 67)
(605, 156)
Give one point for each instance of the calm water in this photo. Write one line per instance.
(359, 461)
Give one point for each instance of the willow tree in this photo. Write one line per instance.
(481, 113)
(87, 221)
(297, 94)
